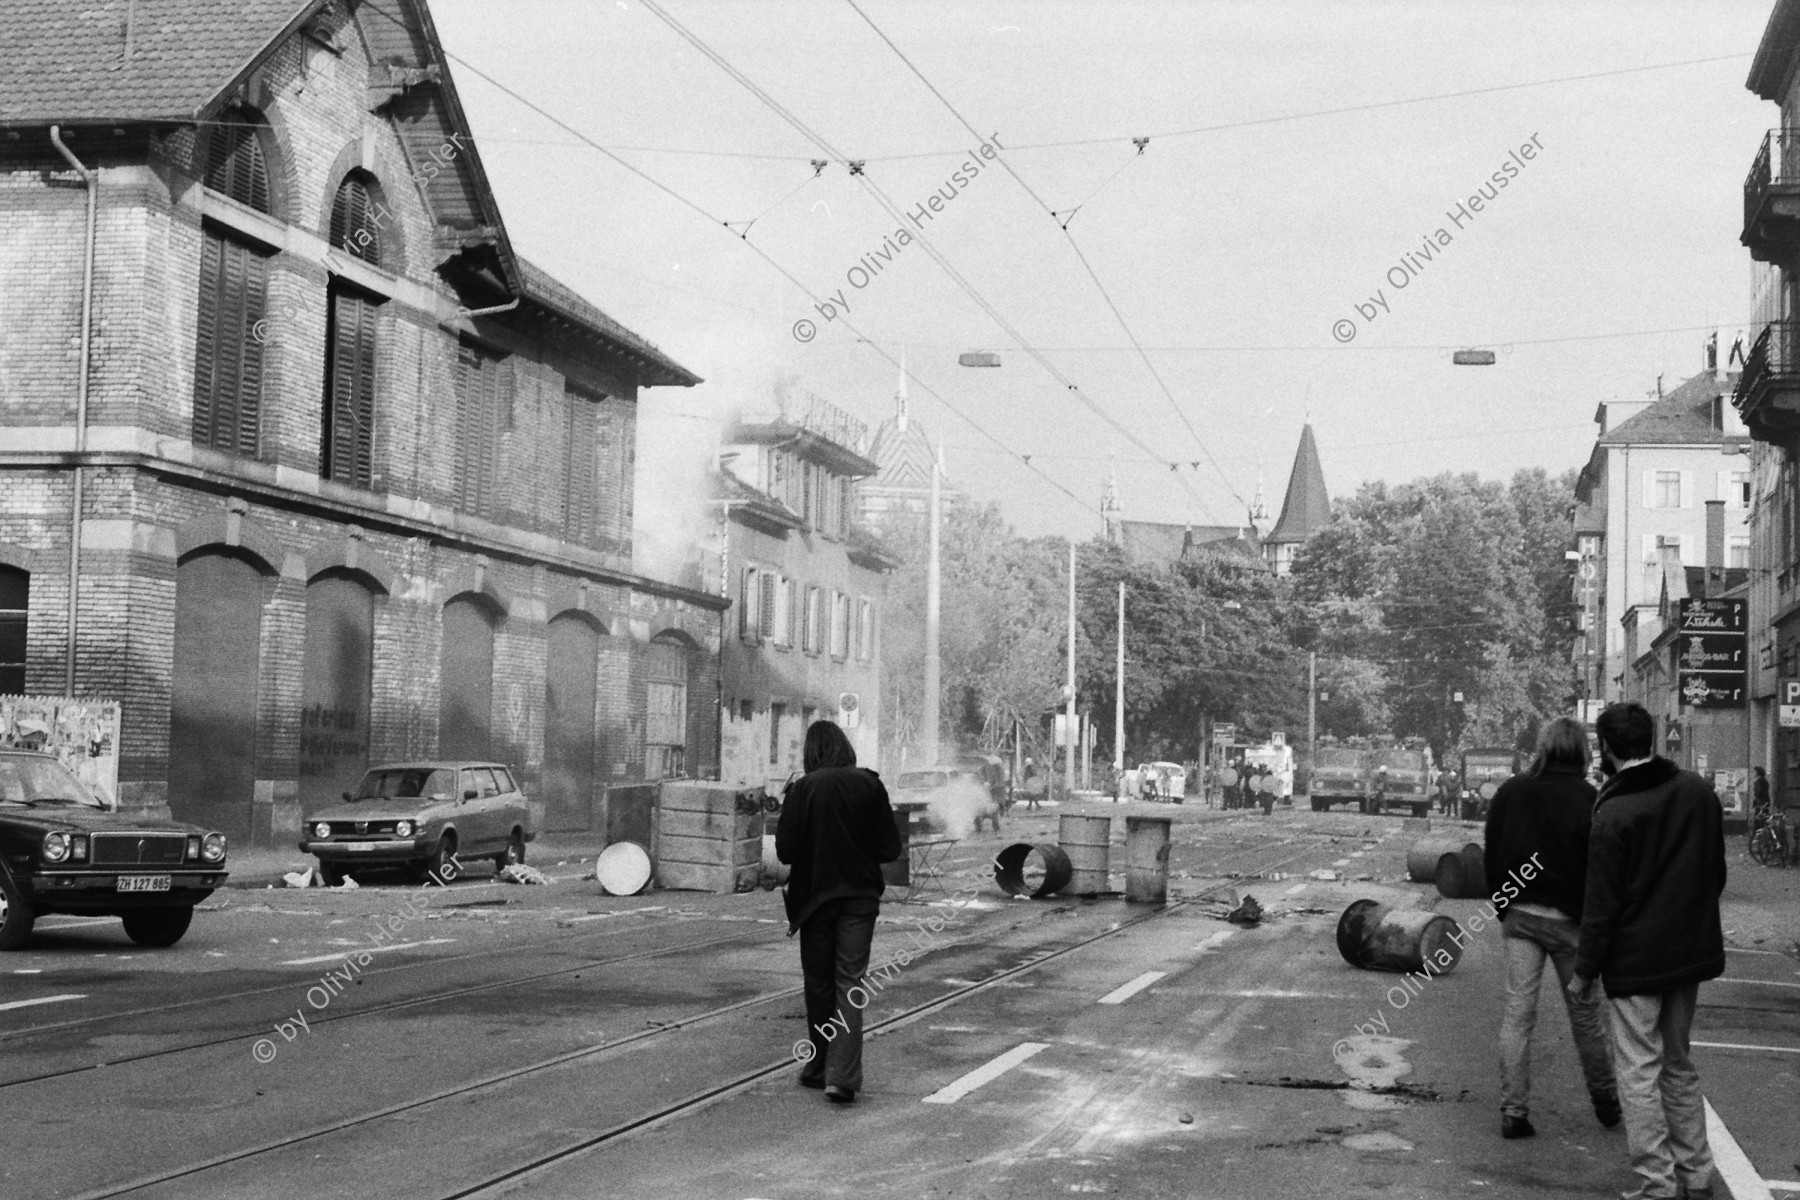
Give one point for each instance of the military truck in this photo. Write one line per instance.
(1401, 777)
(1340, 775)
(1484, 770)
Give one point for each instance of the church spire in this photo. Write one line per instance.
(1112, 510)
(900, 396)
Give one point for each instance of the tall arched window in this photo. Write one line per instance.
(234, 288)
(347, 430)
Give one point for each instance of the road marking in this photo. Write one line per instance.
(1741, 950)
(1731, 1161)
(624, 912)
(1342, 862)
(1295, 890)
(1742, 1046)
(352, 953)
(67, 924)
(1214, 941)
(1124, 992)
(1782, 1185)
(986, 1073)
(42, 1000)
(1759, 982)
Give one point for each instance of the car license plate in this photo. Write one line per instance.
(144, 883)
(354, 846)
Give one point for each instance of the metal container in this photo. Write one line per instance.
(623, 869)
(899, 872)
(1012, 864)
(1453, 863)
(1088, 843)
(774, 871)
(1378, 938)
(1147, 860)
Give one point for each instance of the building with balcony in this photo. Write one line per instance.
(300, 461)
(807, 584)
(1655, 464)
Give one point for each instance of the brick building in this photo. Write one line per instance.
(808, 586)
(351, 480)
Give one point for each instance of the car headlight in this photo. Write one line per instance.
(213, 848)
(322, 830)
(403, 829)
(56, 847)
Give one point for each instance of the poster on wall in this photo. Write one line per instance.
(83, 733)
(1733, 785)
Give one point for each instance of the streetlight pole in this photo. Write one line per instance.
(1119, 691)
(1312, 717)
(928, 735)
(1069, 689)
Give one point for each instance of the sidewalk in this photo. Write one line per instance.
(260, 868)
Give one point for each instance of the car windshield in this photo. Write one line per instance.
(922, 779)
(31, 780)
(407, 783)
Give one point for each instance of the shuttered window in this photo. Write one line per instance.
(480, 388)
(356, 219)
(766, 603)
(228, 368)
(750, 606)
(581, 469)
(347, 451)
(235, 166)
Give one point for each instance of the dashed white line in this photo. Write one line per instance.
(1731, 1161)
(1759, 982)
(1744, 1046)
(986, 1073)
(341, 955)
(1124, 992)
(1214, 941)
(1342, 862)
(1295, 890)
(42, 1000)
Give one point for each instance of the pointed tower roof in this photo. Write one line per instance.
(901, 450)
(1307, 507)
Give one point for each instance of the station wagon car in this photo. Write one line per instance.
(428, 817)
(63, 851)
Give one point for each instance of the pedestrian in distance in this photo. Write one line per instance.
(1650, 935)
(1537, 831)
(836, 829)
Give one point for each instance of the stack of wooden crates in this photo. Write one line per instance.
(709, 837)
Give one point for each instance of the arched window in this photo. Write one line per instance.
(235, 165)
(356, 218)
(234, 287)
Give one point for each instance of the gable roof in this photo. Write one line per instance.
(66, 62)
(1683, 417)
(1306, 508)
(1160, 543)
(654, 367)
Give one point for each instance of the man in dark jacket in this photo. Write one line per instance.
(836, 830)
(1650, 933)
(1537, 833)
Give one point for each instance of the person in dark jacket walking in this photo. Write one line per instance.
(1541, 817)
(1650, 934)
(836, 829)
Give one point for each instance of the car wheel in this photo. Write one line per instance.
(158, 926)
(331, 875)
(513, 855)
(442, 867)
(16, 917)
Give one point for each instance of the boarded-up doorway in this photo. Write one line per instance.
(665, 718)
(334, 704)
(466, 706)
(569, 695)
(212, 717)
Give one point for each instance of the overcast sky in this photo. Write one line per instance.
(1229, 252)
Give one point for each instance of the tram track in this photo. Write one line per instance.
(685, 1105)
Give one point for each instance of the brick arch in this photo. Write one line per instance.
(394, 258)
(475, 581)
(20, 558)
(568, 596)
(236, 533)
(354, 556)
(271, 139)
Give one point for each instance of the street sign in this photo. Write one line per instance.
(1713, 616)
(1224, 734)
(1712, 653)
(1790, 704)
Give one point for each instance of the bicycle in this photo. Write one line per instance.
(1771, 839)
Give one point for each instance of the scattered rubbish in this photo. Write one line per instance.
(348, 884)
(1323, 876)
(298, 879)
(1186, 1118)
(520, 873)
(1247, 913)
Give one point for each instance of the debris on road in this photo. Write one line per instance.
(520, 873)
(298, 879)
(1247, 913)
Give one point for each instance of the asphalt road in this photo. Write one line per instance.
(487, 1039)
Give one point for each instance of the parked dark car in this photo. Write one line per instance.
(63, 851)
(428, 817)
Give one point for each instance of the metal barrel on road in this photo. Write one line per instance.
(774, 871)
(1088, 843)
(1016, 873)
(1375, 937)
(1453, 863)
(1147, 860)
(899, 872)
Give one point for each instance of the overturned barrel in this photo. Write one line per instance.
(1463, 875)
(1146, 860)
(1427, 856)
(1376, 937)
(1088, 843)
(1039, 870)
(774, 871)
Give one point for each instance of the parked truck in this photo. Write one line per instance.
(1401, 777)
(1340, 776)
(1484, 770)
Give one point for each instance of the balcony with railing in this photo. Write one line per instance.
(1772, 198)
(1768, 390)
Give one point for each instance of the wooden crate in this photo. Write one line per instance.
(708, 837)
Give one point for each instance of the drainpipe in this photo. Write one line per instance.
(92, 182)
